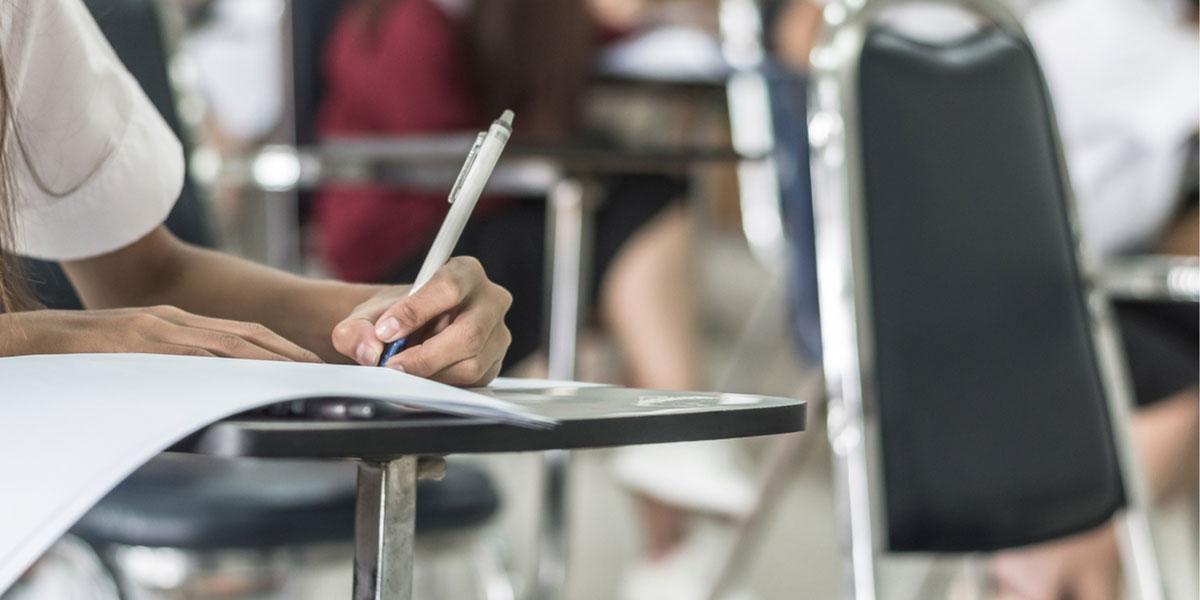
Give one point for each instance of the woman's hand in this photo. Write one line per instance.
(454, 325)
(155, 330)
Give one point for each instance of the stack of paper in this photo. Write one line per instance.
(73, 426)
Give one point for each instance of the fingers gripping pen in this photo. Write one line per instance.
(481, 161)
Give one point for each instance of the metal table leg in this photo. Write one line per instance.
(568, 229)
(565, 242)
(384, 527)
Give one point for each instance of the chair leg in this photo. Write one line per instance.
(1139, 557)
(854, 504)
(782, 461)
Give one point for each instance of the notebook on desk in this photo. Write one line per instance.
(73, 426)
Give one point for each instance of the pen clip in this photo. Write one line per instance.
(467, 165)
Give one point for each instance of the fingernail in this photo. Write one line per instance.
(387, 328)
(364, 355)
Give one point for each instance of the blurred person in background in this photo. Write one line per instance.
(1125, 80)
(403, 67)
(236, 49)
(233, 51)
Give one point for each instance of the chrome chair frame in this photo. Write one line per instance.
(752, 130)
(853, 416)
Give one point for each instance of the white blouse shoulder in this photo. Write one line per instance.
(94, 165)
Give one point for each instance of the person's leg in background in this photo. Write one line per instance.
(651, 280)
(648, 303)
(646, 299)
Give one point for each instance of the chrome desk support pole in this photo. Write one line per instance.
(384, 528)
(565, 262)
(568, 227)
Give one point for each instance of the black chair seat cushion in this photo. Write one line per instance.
(201, 503)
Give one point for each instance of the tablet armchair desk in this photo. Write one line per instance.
(387, 451)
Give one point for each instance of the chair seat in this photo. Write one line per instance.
(199, 503)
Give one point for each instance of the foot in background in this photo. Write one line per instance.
(680, 574)
(687, 496)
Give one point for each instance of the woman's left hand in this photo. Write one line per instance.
(454, 325)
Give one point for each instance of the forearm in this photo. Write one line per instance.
(301, 309)
(218, 305)
(218, 285)
(1166, 436)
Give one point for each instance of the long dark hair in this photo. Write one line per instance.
(14, 292)
(533, 56)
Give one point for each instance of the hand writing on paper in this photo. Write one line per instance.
(454, 326)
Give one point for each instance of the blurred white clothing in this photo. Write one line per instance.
(687, 572)
(238, 59)
(1124, 76)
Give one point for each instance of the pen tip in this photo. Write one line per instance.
(507, 117)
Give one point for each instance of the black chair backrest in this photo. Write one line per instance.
(135, 32)
(994, 430)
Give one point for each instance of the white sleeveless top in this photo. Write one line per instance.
(94, 164)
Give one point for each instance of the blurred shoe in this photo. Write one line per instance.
(686, 573)
(694, 476)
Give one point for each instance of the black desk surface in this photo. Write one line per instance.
(589, 417)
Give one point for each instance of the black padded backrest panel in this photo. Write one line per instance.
(135, 33)
(994, 428)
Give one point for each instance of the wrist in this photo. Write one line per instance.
(27, 332)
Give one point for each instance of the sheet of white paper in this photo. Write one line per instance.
(73, 426)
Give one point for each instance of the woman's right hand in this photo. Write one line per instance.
(155, 330)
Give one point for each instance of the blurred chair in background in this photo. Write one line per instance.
(978, 397)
